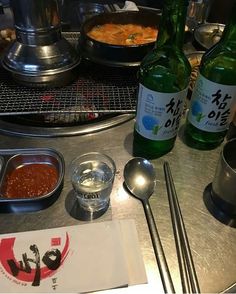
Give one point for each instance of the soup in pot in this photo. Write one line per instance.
(123, 34)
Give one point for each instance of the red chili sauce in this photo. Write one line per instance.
(31, 180)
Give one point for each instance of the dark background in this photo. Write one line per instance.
(219, 12)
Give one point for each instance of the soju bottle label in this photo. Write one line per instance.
(158, 114)
(210, 105)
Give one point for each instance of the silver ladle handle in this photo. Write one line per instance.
(158, 249)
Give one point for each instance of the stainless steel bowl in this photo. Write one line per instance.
(208, 34)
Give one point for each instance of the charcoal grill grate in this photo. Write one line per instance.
(98, 89)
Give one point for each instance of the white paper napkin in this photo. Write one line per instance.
(129, 5)
(73, 259)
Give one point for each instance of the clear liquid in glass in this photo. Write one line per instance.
(92, 181)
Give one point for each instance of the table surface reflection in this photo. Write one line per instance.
(212, 242)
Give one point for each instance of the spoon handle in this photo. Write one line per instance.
(158, 249)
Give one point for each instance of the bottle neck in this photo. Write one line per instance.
(229, 34)
(171, 30)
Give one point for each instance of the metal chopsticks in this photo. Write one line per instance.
(185, 260)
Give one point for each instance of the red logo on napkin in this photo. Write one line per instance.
(33, 266)
(56, 241)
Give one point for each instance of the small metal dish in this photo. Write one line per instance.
(208, 34)
(11, 159)
(194, 59)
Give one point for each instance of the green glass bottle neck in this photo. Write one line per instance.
(171, 30)
(229, 35)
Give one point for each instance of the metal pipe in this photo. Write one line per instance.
(36, 22)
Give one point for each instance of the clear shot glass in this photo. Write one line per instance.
(92, 176)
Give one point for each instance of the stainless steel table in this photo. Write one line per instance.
(212, 243)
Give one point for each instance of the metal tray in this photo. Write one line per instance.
(10, 159)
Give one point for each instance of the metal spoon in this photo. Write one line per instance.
(139, 176)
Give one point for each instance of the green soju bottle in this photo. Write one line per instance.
(163, 80)
(215, 92)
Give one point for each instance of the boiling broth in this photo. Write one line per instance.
(123, 34)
